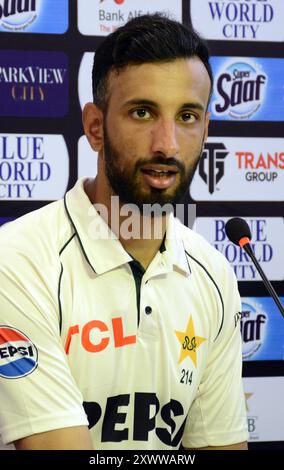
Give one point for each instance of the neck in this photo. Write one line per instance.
(140, 234)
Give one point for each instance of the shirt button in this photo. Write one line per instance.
(148, 310)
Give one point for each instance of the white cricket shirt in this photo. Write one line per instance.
(155, 355)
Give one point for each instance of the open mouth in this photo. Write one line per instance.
(159, 173)
(159, 176)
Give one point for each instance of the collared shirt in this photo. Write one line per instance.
(149, 359)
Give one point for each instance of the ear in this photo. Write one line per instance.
(92, 118)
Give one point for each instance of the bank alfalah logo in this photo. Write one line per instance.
(212, 165)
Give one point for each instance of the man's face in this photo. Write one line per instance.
(154, 129)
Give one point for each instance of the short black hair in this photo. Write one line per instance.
(146, 38)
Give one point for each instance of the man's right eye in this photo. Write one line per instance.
(141, 113)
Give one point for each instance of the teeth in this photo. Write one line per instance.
(161, 172)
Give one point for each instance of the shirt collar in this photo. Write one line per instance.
(101, 247)
(175, 247)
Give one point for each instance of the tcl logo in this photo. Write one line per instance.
(99, 328)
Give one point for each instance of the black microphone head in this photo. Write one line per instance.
(236, 229)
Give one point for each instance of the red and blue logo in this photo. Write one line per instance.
(18, 355)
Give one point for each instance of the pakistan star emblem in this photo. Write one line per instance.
(189, 342)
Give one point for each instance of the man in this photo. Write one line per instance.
(139, 329)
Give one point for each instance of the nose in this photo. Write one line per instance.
(164, 139)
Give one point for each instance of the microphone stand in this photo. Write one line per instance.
(267, 283)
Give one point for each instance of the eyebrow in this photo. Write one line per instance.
(144, 102)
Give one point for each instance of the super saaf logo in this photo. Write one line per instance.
(34, 16)
(247, 89)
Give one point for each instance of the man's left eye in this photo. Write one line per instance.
(187, 117)
(141, 114)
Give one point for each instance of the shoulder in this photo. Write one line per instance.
(217, 273)
(37, 236)
(202, 252)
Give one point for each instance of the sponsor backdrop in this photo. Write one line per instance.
(46, 53)
(264, 396)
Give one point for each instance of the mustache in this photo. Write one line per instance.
(159, 159)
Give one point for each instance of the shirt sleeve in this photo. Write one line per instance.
(38, 392)
(217, 416)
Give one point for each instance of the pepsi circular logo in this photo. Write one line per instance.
(18, 354)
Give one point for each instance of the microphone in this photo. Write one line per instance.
(238, 232)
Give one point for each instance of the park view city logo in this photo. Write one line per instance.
(34, 16)
(250, 20)
(33, 83)
(33, 167)
(102, 17)
(267, 243)
(240, 169)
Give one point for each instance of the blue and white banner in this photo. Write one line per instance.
(267, 243)
(102, 17)
(87, 159)
(240, 169)
(33, 167)
(247, 89)
(264, 405)
(262, 327)
(238, 20)
(34, 16)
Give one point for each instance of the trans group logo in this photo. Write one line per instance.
(211, 166)
(34, 16)
(18, 355)
(240, 169)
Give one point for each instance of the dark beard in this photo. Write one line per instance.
(126, 185)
